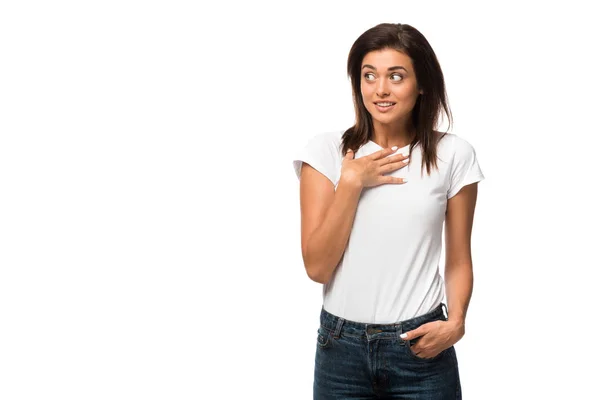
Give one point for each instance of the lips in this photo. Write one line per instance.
(384, 109)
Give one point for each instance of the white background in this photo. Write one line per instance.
(149, 212)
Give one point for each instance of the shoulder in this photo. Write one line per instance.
(327, 143)
(454, 145)
(322, 151)
(330, 139)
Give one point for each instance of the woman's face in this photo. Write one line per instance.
(378, 83)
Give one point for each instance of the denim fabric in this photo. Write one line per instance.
(370, 361)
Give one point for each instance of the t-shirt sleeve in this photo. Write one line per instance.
(465, 167)
(323, 154)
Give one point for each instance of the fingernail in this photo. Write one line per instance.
(395, 148)
(403, 336)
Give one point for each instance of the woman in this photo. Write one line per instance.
(374, 199)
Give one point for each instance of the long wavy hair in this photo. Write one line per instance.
(430, 79)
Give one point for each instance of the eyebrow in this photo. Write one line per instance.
(389, 69)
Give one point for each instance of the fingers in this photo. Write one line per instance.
(420, 331)
(391, 179)
(381, 153)
(392, 159)
(389, 164)
(399, 157)
(386, 168)
(425, 350)
(419, 353)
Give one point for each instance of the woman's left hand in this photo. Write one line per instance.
(436, 336)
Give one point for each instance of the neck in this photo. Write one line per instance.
(387, 135)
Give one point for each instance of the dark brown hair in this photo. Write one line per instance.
(430, 79)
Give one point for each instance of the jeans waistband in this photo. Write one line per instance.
(341, 326)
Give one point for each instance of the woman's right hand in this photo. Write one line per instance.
(368, 171)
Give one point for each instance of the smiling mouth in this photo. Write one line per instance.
(385, 107)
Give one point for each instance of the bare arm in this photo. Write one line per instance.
(459, 266)
(327, 219)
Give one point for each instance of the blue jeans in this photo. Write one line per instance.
(370, 361)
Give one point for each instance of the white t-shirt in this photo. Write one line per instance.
(389, 271)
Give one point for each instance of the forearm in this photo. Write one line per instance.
(327, 243)
(459, 287)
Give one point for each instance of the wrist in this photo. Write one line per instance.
(458, 327)
(351, 182)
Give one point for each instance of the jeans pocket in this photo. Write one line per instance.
(410, 352)
(323, 338)
(410, 343)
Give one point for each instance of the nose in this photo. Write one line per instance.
(382, 88)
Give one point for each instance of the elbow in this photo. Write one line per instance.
(316, 276)
(316, 273)
(315, 269)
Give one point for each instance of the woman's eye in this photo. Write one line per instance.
(395, 75)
